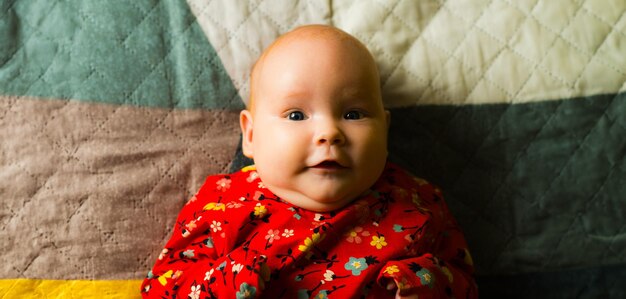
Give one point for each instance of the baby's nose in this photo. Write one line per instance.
(330, 134)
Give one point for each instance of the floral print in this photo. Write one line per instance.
(309, 242)
(272, 235)
(378, 242)
(356, 265)
(288, 233)
(260, 211)
(236, 239)
(246, 291)
(355, 235)
(215, 206)
(216, 226)
(392, 269)
(195, 292)
(426, 278)
(223, 184)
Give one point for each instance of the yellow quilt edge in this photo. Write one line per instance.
(44, 288)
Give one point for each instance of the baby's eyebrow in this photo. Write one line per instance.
(296, 94)
(355, 94)
(351, 90)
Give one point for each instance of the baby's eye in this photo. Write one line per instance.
(353, 115)
(296, 115)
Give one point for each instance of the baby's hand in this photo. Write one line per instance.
(392, 286)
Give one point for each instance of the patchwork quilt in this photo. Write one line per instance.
(112, 113)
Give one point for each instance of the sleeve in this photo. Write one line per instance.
(194, 263)
(445, 271)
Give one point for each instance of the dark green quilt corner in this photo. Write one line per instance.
(536, 186)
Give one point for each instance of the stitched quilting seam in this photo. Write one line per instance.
(598, 191)
(231, 34)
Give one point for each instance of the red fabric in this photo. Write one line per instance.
(235, 239)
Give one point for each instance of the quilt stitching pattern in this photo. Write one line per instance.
(609, 249)
(101, 127)
(471, 161)
(431, 81)
(543, 127)
(394, 68)
(202, 9)
(530, 70)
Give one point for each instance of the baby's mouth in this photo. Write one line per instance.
(329, 165)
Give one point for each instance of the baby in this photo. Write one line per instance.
(321, 214)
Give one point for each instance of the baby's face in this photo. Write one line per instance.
(318, 130)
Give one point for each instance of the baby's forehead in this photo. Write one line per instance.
(320, 36)
(312, 37)
(315, 42)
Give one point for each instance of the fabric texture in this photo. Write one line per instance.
(40, 288)
(235, 238)
(114, 109)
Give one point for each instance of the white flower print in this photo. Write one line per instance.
(195, 292)
(328, 276)
(216, 226)
(207, 275)
(272, 235)
(237, 268)
(163, 253)
(288, 233)
(234, 205)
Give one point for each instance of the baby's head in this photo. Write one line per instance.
(315, 124)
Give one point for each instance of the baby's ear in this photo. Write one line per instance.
(245, 122)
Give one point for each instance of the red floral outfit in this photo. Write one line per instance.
(236, 239)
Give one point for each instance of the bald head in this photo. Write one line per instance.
(307, 42)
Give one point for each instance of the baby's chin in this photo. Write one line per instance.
(318, 207)
(317, 202)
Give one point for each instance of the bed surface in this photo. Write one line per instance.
(113, 113)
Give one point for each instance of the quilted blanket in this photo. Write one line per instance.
(112, 113)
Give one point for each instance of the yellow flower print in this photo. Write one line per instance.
(260, 210)
(248, 168)
(163, 278)
(215, 206)
(309, 242)
(169, 274)
(378, 242)
(392, 269)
